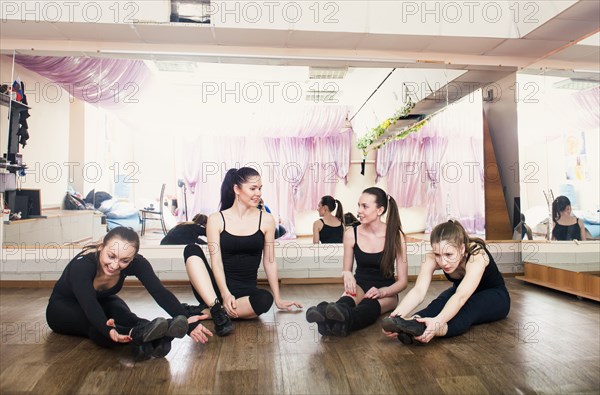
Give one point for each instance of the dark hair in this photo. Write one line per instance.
(522, 217)
(559, 205)
(454, 233)
(124, 233)
(234, 177)
(393, 245)
(200, 219)
(330, 203)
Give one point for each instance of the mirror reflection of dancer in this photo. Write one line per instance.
(478, 294)
(84, 301)
(329, 228)
(378, 248)
(566, 226)
(238, 237)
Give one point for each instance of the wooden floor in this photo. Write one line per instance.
(548, 344)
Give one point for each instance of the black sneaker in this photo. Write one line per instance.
(178, 327)
(399, 324)
(161, 347)
(191, 310)
(142, 352)
(148, 331)
(316, 313)
(223, 324)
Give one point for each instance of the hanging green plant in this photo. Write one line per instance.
(368, 139)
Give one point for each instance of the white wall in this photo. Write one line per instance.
(47, 149)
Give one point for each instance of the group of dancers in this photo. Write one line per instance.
(84, 301)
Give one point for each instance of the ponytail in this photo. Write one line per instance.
(559, 205)
(339, 213)
(393, 246)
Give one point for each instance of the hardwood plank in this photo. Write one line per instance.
(549, 343)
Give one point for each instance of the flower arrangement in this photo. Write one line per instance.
(367, 140)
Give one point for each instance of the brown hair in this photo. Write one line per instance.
(329, 202)
(454, 233)
(393, 245)
(200, 219)
(124, 233)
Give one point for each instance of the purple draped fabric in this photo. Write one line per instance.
(107, 82)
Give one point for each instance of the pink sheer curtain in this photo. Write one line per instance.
(435, 148)
(406, 182)
(108, 82)
(440, 167)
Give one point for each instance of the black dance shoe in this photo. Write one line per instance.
(400, 325)
(148, 331)
(177, 327)
(223, 324)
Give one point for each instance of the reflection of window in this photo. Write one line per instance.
(190, 11)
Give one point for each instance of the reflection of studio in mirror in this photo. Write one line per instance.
(117, 141)
(558, 148)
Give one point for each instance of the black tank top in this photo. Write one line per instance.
(567, 232)
(331, 234)
(368, 264)
(491, 278)
(241, 255)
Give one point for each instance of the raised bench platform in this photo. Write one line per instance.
(583, 284)
(298, 262)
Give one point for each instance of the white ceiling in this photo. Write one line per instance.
(370, 53)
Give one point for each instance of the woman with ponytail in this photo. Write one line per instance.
(329, 228)
(379, 249)
(478, 294)
(238, 237)
(566, 226)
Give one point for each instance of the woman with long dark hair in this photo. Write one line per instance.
(477, 295)
(84, 301)
(566, 225)
(239, 235)
(379, 249)
(329, 228)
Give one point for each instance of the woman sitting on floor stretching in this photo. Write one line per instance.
(478, 293)
(84, 301)
(238, 237)
(378, 248)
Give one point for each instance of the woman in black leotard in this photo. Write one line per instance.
(378, 248)
(329, 228)
(566, 226)
(478, 293)
(238, 237)
(84, 300)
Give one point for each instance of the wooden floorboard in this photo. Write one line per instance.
(550, 343)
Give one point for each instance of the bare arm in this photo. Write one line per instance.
(316, 229)
(416, 295)
(270, 264)
(582, 227)
(349, 280)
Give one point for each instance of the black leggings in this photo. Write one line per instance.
(65, 316)
(260, 299)
(484, 306)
